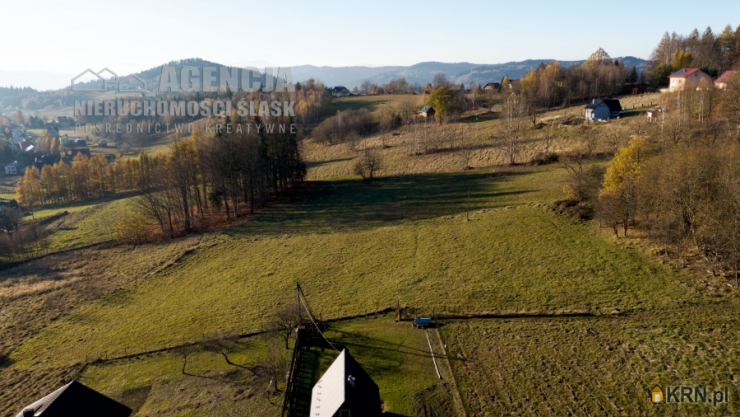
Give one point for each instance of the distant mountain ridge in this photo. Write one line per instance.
(421, 73)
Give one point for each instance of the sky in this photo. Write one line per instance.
(57, 39)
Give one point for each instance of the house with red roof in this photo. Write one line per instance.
(721, 82)
(687, 77)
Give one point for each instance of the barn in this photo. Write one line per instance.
(345, 390)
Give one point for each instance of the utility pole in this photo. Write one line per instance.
(467, 212)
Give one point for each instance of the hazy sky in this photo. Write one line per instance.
(67, 37)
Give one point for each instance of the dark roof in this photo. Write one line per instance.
(340, 88)
(345, 385)
(423, 320)
(75, 399)
(613, 105)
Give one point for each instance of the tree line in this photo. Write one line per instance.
(201, 179)
(713, 52)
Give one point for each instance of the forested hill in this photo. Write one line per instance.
(463, 72)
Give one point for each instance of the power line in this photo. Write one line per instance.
(302, 297)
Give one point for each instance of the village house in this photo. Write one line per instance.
(721, 82)
(492, 86)
(606, 109)
(687, 78)
(26, 146)
(345, 390)
(427, 112)
(15, 168)
(339, 92)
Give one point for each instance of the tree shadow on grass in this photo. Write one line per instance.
(324, 206)
(314, 164)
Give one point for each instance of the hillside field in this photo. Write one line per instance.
(426, 236)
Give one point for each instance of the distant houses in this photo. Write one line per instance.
(606, 109)
(721, 82)
(345, 390)
(687, 78)
(340, 92)
(18, 136)
(75, 399)
(427, 112)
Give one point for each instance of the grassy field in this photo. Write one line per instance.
(596, 366)
(156, 384)
(9, 196)
(374, 103)
(410, 239)
(356, 248)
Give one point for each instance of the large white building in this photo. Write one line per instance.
(688, 78)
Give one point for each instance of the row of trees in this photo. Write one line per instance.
(229, 173)
(399, 86)
(552, 85)
(84, 178)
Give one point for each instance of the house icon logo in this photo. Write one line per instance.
(657, 395)
(130, 83)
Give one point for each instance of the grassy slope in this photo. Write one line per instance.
(410, 243)
(95, 223)
(373, 103)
